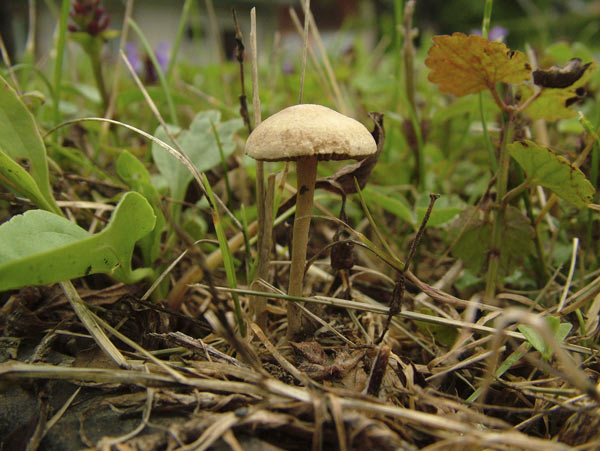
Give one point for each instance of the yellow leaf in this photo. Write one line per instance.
(462, 64)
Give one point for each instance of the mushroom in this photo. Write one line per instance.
(305, 134)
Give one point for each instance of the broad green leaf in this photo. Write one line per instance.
(389, 202)
(554, 103)
(135, 174)
(20, 140)
(39, 247)
(559, 330)
(462, 64)
(552, 171)
(474, 244)
(445, 209)
(199, 144)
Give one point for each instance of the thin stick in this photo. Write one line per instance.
(265, 221)
(304, 49)
(254, 65)
(31, 29)
(88, 320)
(214, 31)
(328, 69)
(565, 292)
(239, 56)
(313, 57)
(6, 59)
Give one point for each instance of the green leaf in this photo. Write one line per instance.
(474, 244)
(39, 247)
(199, 144)
(135, 174)
(546, 168)
(445, 209)
(20, 140)
(559, 330)
(390, 202)
(18, 180)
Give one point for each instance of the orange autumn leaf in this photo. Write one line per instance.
(462, 64)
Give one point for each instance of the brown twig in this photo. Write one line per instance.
(239, 56)
(398, 295)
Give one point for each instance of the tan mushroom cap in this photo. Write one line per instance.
(308, 130)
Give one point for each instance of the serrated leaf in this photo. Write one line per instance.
(199, 144)
(462, 64)
(473, 246)
(20, 140)
(39, 247)
(135, 174)
(554, 103)
(546, 168)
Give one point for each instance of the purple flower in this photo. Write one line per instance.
(287, 68)
(496, 33)
(162, 54)
(142, 64)
(88, 17)
(134, 57)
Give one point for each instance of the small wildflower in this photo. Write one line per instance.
(143, 64)
(287, 68)
(88, 17)
(496, 33)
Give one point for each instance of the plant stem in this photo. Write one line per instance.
(485, 26)
(99, 78)
(498, 226)
(306, 169)
(185, 15)
(487, 18)
(398, 42)
(58, 62)
(409, 84)
(516, 192)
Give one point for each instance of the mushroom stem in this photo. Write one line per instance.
(306, 169)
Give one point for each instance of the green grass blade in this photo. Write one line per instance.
(58, 63)
(227, 257)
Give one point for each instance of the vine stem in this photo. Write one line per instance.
(498, 225)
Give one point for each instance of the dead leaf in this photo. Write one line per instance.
(462, 64)
(311, 350)
(554, 103)
(560, 76)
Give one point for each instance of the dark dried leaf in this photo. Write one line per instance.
(560, 76)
